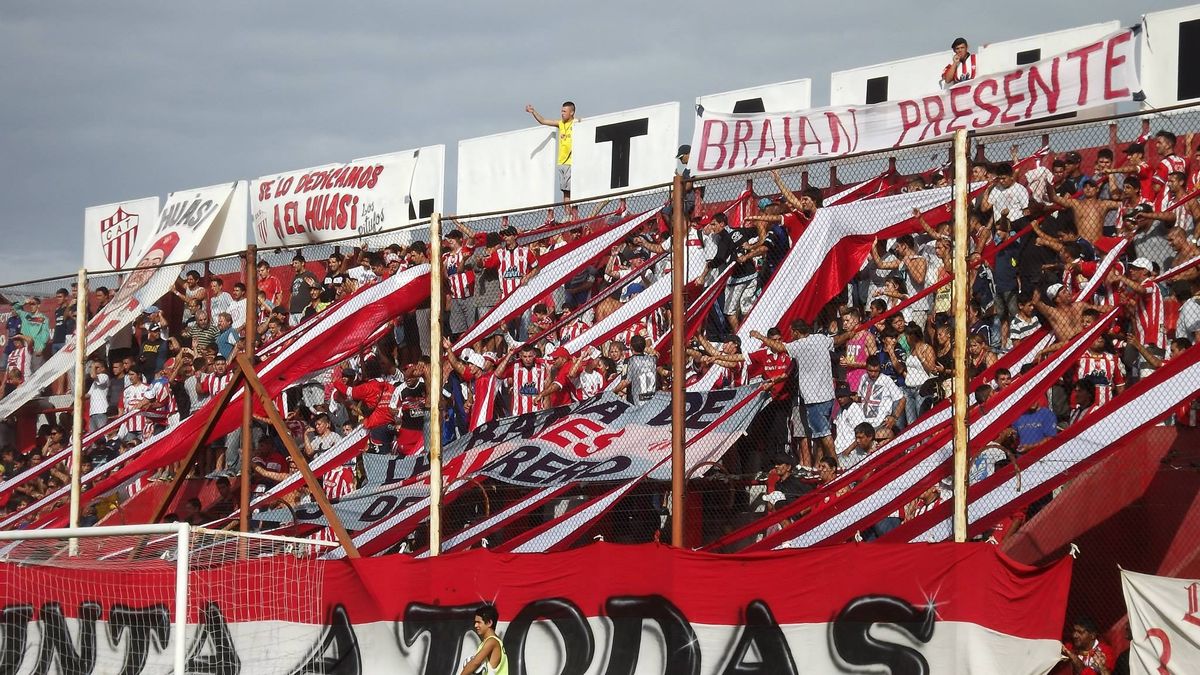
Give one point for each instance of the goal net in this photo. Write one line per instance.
(158, 599)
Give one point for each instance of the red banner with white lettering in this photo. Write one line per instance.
(943, 608)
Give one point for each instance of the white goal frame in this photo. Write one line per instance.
(182, 533)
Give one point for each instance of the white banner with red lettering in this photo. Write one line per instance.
(603, 608)
(1100, 73)
(335, 201)
(187, 220)
(1164, 617)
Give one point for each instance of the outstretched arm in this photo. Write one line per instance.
(777, 346)
(540, 120)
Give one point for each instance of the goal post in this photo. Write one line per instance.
(144, 586)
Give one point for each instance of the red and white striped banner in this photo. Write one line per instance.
(1079, 447)
(333, 332)
(551, 276)
(887, 489)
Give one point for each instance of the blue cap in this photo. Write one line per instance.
(631, 290)
(764, 202)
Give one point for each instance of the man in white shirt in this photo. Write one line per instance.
(849, 417)
(218, 299)
(237, 308)
(814, 378)
(882, 400)
(1006, 198)
(1188, 325)
(98, 396)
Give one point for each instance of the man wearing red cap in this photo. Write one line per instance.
(562, 389)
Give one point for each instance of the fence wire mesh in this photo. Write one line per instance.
(1080, 326)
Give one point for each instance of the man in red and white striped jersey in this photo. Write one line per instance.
(513, 262)
(1144, 305)
(212, 383)
(1169, 162)
(526, 379)
(1192, 151)
(460, 281)
(162, 409)
(962, 65)
(19, 358)
(575, 328)
(134, 398)
(1103, 369)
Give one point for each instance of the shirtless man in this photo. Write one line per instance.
(1089, 211)
(1185, 250)
(1064, 314)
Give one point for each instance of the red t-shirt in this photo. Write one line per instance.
(272, 288)
(377, 394)
(272, 461)
(565, 394)
(795, 224)
(1110, 658)
(1145, 176)
(770, 365)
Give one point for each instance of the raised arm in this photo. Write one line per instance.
(455, 363)
(540, 120)
(925, 225)
(777, 346)
(788, 196)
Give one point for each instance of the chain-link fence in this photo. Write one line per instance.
(819, 299)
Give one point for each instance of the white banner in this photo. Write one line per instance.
(624, 150)
(510, 170)
(335, 201)
(1164, 617)
(1099, 73)
(790, 95)
(184, 224)
(114, 233)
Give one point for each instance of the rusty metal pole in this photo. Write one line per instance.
(251, 280)
(678, 279)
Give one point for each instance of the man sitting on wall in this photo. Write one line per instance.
(962, 65)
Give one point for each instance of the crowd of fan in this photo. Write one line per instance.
(836, 388)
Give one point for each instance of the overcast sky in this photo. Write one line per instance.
(104, 101)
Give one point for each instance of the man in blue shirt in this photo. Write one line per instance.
(1035, 426)
(228, 337)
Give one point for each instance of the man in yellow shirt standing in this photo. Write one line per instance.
(565, 127)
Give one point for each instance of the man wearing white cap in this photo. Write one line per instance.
(1064, 313)
(1146, 297)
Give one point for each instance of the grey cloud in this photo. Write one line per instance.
(111, 100)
